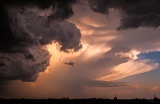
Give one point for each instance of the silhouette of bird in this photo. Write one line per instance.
(69, 63)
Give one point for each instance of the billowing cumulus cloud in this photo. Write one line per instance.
(134, 13)
(24, 65)
(26, 28)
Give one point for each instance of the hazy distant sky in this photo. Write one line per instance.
(114, 45)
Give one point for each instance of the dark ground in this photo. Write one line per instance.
(79, 101)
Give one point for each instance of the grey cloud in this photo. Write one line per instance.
(101, 6)
(17, 66)
(70, 81)
(62, 9)
(133, 13)
(65, 33)
(25, 32)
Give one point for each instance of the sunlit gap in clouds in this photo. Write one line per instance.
(89, 26)
(98, 35)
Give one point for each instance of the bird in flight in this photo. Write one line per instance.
(69, 63)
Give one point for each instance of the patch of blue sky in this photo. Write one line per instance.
(154, 56)
(147, 78)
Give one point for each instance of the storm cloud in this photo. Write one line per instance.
(107, 55)
(26, 27)
(133, 13)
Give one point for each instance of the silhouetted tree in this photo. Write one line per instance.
(115, 97)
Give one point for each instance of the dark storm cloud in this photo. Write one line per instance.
(26, 27)
(64, 8)
(133, 13)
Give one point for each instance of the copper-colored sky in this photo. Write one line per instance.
(107, 55)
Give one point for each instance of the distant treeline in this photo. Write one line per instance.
(80, 101)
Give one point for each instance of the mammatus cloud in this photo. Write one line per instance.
(133, 13)
(26, 28)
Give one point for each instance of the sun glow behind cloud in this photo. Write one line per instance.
(107, 56)
(90, 51)
(96, 39)
(132, 54)
(130, 68)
